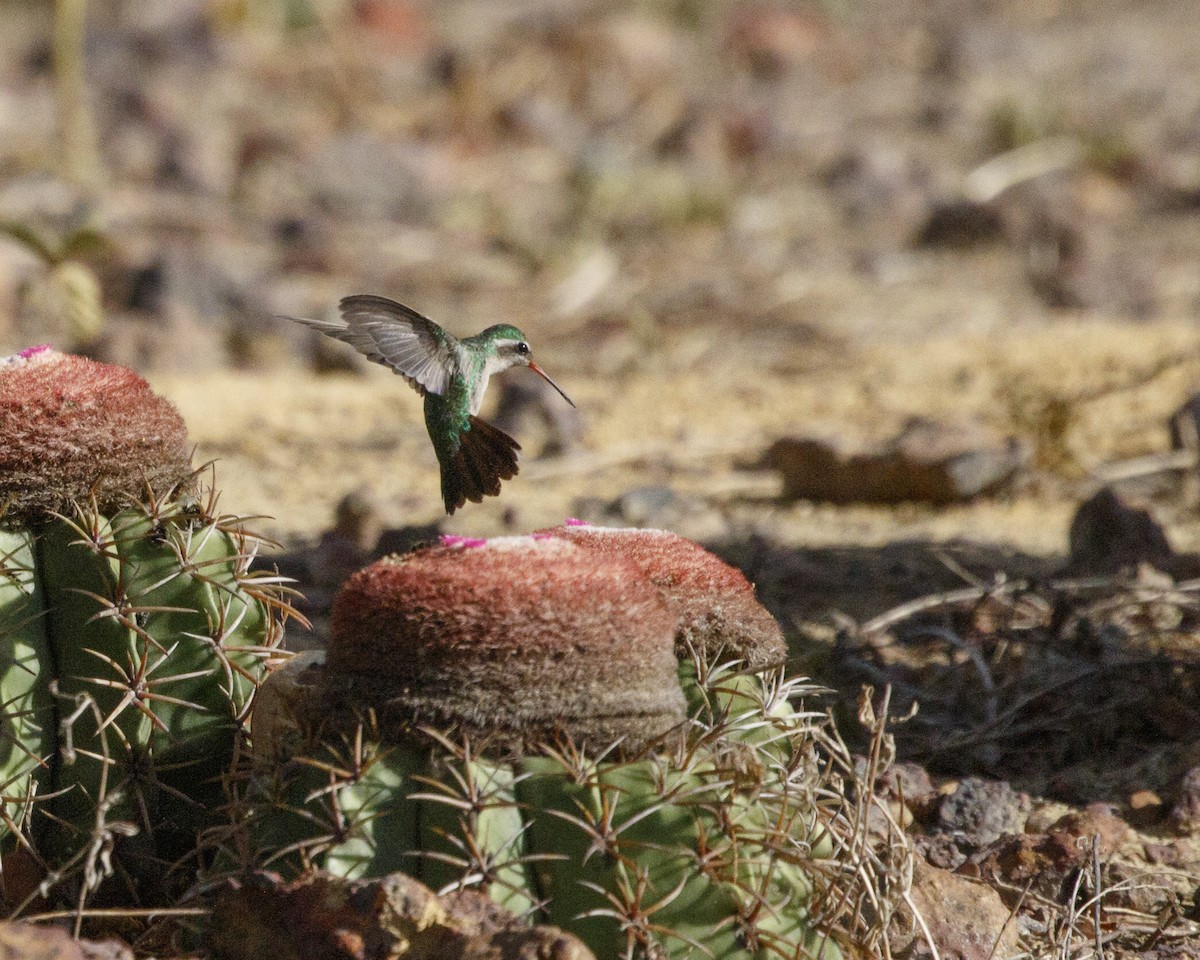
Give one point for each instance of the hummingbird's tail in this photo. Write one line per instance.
(484, 457)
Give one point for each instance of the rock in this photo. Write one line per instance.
(349, 545)
(27, 941)
(531, 398)
(322, 917)
(974, 814)
(1041, 861)
(1095, 819)
(960, 223)
(1047, 862)
(654, 507)
(909, 783)
(980, 811)
(1185, 425)
(1145, 808)
(1185, 813)
(965, 919)
(1078, 262)
(1106, 534)
(927, 462)
(407, 538)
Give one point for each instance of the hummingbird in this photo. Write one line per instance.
(452, 375)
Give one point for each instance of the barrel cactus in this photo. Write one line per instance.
(508, 715)
(135, 631)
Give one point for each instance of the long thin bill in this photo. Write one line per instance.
(545, 376)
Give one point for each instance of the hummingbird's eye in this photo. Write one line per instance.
(523, 348)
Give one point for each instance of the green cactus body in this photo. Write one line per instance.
(134, 632)
(511, 715)
(152, 632)
(367, 810)
(632, 839)
(697, 849)
(27, 734)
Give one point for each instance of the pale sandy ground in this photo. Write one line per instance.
(289, 445)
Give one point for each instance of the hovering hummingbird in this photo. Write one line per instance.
(451, 375)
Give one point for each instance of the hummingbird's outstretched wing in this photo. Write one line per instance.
(390, 333)
(485, 455)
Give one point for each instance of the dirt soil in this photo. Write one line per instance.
(719, 224)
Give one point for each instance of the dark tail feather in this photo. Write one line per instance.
(485, 456)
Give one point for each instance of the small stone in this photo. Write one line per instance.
(910, 783)
(1097, 820)
(966, 920)
(1108, 535)
(1145, 808)
(980, 811)
(960, 223)
(533, 399)
(1185, 813)
(927, 462)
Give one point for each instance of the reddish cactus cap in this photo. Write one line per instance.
(513, 636)
(71, 427)
(718, 612)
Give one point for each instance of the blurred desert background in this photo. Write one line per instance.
(720, 224)
(957, 240)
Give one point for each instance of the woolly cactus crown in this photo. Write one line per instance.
(72, 428)
(718, 612)
(517, 636)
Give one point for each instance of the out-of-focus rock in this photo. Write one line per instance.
(527, 398)
(1107, 535)
(965, 919)
(883, 189)
(928, 462)
(654, 506)
(909, 789)
(27, 941)
(960, 223)
(1077, 261)
(1145, 808)
(1185, 425)
(1185, 813)
(407, 538)
(1173, 181)
(771, 39)
(322, 917)
(350, 544)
